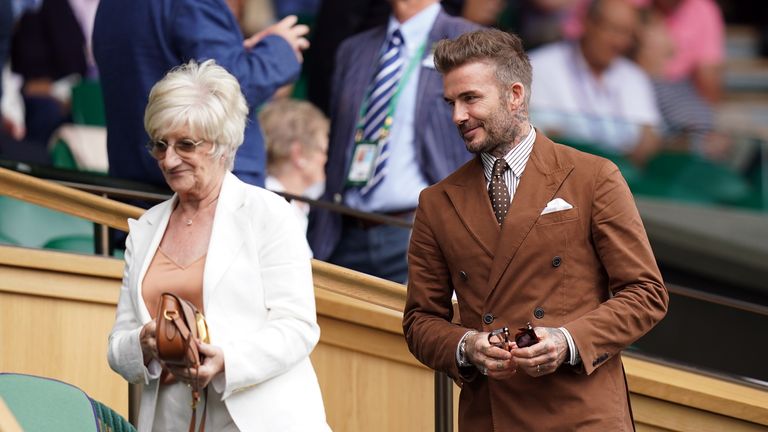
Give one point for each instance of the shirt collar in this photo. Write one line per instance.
(516, 158)
(416, 29)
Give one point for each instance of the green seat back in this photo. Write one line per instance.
(88, 104)
(110, 420)
(43, 404)
(72, 243)
(689, 177)
(32, 226)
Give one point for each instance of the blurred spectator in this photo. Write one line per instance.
(137, 42)
(296, 137)
(586, 90)
(51, 52)
(336, 21)
(12, 128)
(541, 21)
(284, 8)
(384, 148)
(483, 12)
(6, 25)
(683, 49)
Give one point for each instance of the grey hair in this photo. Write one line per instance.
(203, 99)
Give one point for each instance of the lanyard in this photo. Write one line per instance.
(393, 102)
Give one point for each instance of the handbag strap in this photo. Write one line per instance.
(194, 413)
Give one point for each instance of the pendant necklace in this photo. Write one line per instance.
(188, 221)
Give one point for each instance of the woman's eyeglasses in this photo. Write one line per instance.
(183, 147)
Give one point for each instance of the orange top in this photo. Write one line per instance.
(164, 275)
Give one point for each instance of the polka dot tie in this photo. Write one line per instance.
(498, 191)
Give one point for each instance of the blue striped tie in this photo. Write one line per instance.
(383, 89)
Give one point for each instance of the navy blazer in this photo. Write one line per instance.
(439, 148)
(136, 42)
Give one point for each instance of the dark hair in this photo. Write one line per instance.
(504, 50)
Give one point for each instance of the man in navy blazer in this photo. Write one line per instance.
(423, 143)
(136, 42)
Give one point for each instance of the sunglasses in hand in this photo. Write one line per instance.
(523, 338)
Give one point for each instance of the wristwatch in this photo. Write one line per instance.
(463, 361)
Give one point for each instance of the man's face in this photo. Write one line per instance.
(610, 33)
(481, 110)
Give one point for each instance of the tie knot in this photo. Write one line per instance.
(396, 39)
(499, 167)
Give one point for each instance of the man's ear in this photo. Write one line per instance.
(515, 96)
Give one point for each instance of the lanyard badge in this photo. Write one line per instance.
(366, 151)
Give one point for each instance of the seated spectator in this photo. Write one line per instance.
(682, 49)
(296, 137)
(51, 50)
(586, 90)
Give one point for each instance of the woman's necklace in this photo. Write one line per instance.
(188, 220)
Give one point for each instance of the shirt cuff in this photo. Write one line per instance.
(461, 358)
(574, 352)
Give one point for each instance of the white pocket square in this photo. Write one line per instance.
(556, 205)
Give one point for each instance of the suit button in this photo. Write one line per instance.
(556, 261)
(488, 318)
(463, 275)
(337, 198)
(538, 313)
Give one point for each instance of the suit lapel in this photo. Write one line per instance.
(541, 179)
(146, 234)
(469, 197)
(227, 234)
(429, 80)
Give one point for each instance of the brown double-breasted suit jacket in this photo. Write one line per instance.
(589, 269)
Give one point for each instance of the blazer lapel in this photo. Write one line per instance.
(429, 80)
(229, 230)
(541, 179)
(146, 234)
(469, 197)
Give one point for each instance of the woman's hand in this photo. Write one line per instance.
(148, 341)
(212, 365)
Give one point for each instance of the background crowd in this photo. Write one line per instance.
(632, 80)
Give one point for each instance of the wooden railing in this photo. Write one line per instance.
(56, 310)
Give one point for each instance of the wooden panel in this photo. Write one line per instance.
(656, 414)
(696, 390)
(368, 393)
(61, 339)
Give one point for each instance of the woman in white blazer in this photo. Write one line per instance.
(235, 250)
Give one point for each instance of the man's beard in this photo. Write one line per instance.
(500, 128)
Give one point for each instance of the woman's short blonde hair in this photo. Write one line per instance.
(202, 99)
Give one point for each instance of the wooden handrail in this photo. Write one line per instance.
(67, 200)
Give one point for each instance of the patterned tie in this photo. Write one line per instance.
(498, 191)
(383, 89)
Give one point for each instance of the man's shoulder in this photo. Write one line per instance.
(456, 178)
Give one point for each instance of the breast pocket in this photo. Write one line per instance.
(571, 214)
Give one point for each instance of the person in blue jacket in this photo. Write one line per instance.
(137, 42)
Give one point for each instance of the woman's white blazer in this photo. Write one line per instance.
(259, 303)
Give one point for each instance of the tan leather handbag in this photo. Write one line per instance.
(179, 325)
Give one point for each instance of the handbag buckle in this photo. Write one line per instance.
(172, 313)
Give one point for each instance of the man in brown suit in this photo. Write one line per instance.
(559, 244)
